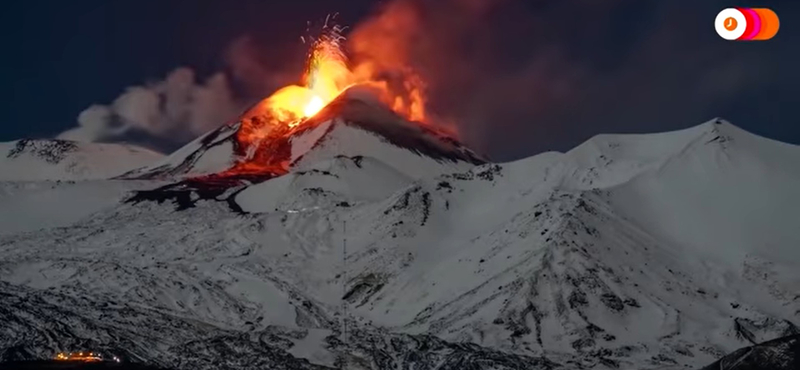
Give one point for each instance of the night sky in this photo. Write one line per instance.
(516, 77)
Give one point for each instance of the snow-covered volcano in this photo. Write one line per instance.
(354, 145)
(630, 251)
(353, 125)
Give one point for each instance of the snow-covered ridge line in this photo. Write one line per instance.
(55, 159)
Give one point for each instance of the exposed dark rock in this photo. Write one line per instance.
(612, 301)
(185, 194)
(779, 354)
(52, 151)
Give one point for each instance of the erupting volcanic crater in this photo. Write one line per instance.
(335, 111)
(267, 148)
(256, 148)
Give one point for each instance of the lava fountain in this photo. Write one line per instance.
(263, 138)
(326, 76)
(262, 142)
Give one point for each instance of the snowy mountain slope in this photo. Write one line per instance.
(359, 127)
(324, 184)
(209, 153)
(593, 258)
(138, 334)
(227, 287)
(566, 276)
(724, 171)
(585, 219)
(33, 205)
(568, 226)
(37, 160)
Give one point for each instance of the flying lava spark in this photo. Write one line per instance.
(327, 74)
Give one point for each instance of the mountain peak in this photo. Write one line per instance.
(360, 112)
(56, 159)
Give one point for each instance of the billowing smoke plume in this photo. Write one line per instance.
(523, 76)
(179, 108)
(167, 114)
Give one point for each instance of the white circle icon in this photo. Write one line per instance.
(730, 24)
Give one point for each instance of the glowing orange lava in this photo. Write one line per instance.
(263, 138)
(79, 356)
(326, 76)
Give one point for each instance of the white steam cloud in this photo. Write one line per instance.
(178, 108)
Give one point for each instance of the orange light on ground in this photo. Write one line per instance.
(80, 356)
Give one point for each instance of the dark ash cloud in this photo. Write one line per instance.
(521, 77)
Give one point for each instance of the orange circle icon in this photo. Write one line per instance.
(769, 24)
(730, 24)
